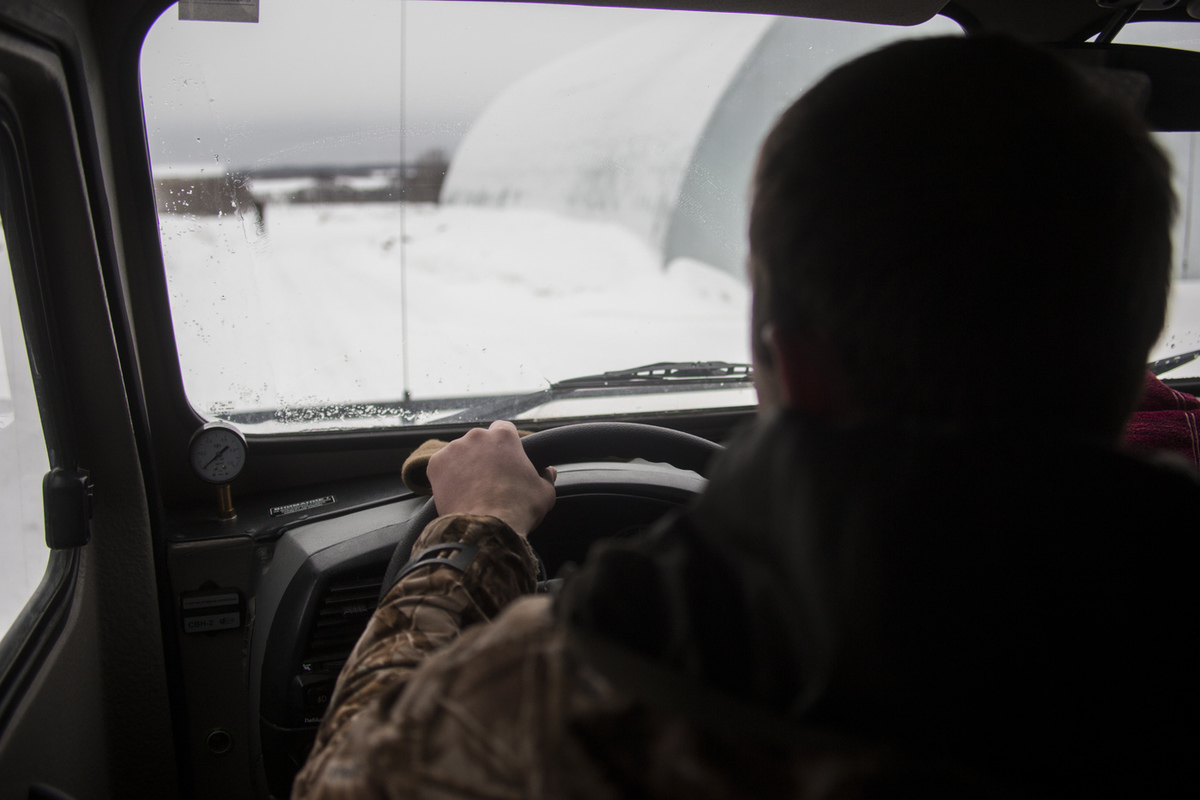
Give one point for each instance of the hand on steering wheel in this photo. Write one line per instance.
(569, 444)
(487, 472)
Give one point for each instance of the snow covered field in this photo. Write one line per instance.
(498, 300)
(23, 462)
(310, 311)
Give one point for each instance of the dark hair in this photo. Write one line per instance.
(974, 230)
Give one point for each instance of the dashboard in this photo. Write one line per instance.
(322, 582)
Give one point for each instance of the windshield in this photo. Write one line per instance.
(1181, 336)
(400, 212)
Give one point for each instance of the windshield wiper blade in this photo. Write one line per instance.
(663, 377)
(663, 372)
(1168, 364)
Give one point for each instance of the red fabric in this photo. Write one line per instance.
(1166, 420)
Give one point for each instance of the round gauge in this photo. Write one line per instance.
(217, 452)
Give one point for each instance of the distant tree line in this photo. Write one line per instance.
(207, 196)
(233, 193)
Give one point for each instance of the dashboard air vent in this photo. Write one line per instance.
(342, 616)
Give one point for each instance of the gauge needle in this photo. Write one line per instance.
(220, 453)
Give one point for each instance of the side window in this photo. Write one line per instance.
(23, 461)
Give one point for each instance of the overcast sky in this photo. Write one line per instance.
(319, 82)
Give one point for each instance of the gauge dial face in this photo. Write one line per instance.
(217, 452)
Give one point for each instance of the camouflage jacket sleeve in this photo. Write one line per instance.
(422, 613)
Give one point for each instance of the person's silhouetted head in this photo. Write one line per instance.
(965, 229)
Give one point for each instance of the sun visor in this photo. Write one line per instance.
(1160, 82)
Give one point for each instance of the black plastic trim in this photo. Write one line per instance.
(33, 296)
(1174, 104)
(360, 556)
(25, 646)
(968, 21)
(120, 266)
(28, 641)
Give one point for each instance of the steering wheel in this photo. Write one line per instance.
(587, 441)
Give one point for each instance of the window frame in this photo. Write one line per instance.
(27, 642)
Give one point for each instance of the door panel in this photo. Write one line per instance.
(87, 696)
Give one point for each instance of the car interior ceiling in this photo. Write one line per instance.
(106, 690)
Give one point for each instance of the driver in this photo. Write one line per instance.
(926, 568)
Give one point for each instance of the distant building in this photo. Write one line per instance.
(670, 156)
(211, 193)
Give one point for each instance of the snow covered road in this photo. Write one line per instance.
(310, 312)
